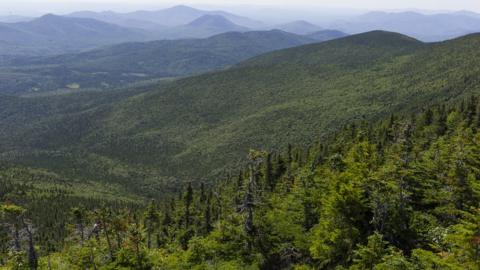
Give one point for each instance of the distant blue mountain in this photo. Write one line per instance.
(51, 34)
(299, 27)
(174, 16)
(425, 27)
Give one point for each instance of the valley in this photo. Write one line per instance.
(185, 138)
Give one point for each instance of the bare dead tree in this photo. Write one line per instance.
(32, 254)
(248, 205)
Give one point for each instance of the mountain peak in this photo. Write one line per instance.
(181, 8)
(212, 20)
(379, 38)
(49, 16)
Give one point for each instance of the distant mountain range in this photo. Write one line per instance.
(425, 27)
(51, 34)
(85, 30)
(130, 62)
(299, 27)
(325, 35)
(203, 27)
(174, 16)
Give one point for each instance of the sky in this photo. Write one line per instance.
(36, 7)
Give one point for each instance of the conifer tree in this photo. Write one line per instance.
(268, 172)
(104, 217)
(188, 199)
(151, 220)
(207, 217)
(203, 196)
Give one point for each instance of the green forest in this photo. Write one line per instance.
(356, 153)
(402, 193)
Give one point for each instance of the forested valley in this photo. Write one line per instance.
(282, 146)
(402, 193)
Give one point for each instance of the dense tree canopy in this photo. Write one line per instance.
(403, 193)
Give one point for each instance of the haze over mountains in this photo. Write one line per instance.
(52, 34)
(83, 30)
(434, 27)
(130, 62)
(299, 27)
(174, 16)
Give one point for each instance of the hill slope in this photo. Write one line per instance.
(56, 34)
(116, 65)
(118, 19)
(299, 27)
(205, 26)
(325, 35)
(400, 194)
(198, 126)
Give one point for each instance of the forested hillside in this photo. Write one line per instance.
(198, 127)
(181, 139)
(402, 193)
(117, 65)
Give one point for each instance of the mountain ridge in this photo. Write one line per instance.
(130, 62)
(429, 28)
(188, 128)
(173, 16)
(299, 27)
(61, 34)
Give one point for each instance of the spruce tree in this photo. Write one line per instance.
(151, 220)
(188, 199)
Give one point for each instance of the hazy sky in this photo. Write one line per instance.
(59, 6)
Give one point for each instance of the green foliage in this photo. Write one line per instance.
(202, 126)
(402, 193)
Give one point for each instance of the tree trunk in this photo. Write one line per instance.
(32, 254)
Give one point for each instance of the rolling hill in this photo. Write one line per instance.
(118, 19)
(299, 27)
(51, 34)
(130, 62)
(197, 127)
(325, 35)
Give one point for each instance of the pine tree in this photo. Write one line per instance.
(470, 110)
(207, 217)
(188, 199)
(203, 196)
(151, 220)
(268, 172)
(441, 122)
(104, 217)
(289, 154)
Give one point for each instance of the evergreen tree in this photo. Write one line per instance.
(188, 199)
(268, 172)
(151, 220)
